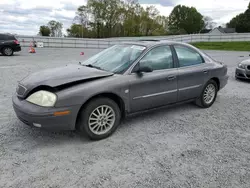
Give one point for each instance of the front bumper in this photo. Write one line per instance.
(42, 117)
(242, 73)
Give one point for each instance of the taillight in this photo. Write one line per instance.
(16, 41)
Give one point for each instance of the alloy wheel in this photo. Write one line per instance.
(101, 120)
(209, 94)
(8, 51)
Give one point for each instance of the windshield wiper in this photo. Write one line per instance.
(93, 66)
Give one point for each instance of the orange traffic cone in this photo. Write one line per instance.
(32, 49)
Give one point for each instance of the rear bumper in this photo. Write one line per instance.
(224, 81)
(42, 117)
(242, 73)
(17, 48)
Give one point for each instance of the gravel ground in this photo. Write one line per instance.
(181, 146)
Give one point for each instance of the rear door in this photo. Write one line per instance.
(192, 72)
(2, 40)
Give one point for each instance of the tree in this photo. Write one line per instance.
(241, 22)
(117, 18)
(55, 28)
(208, 22)
(44, 31)
(82, 16)
(77, 31)
(148, 18)
(186, 19)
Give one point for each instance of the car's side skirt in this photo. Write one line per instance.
(160, 107)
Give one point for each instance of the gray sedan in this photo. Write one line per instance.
(243, 70)
(124, 79)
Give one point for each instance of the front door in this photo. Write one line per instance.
(156, 88)
(192, 72)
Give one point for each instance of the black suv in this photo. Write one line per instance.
(9, 44)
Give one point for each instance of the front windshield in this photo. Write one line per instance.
(117, 58)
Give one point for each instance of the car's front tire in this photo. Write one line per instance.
(99, 118)
(208, 95)
(7, 51)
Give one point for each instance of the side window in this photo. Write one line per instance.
(158, 58)
(188, 56)
(11, 37)
(1, 37)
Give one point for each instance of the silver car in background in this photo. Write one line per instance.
(243, 70)
(124, 79)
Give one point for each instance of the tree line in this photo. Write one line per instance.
(53, 29)
(241, 22)
(127, 18)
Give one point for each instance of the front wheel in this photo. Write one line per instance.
(7, 51)
(99, 118)
(208, 95)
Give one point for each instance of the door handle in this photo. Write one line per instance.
(205, 71)
(171, 77)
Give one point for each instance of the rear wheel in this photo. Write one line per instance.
(208, 95)
(7, 51)
(99, 118)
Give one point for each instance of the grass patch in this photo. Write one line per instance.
(232, 46)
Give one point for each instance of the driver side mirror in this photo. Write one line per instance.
(140, 69)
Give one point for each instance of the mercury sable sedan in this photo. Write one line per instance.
(123, 79)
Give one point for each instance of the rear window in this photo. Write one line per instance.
(208, 56)
(11, 37)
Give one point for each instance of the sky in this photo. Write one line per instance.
(24, 17)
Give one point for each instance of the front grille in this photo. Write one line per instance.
(20, 90)
(240, 75)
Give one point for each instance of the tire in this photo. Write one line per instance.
(7, 51)
(204, 101)
(93, 125)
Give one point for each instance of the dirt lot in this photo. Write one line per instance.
(182, 146)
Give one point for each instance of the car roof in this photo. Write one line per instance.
(6, 34)
(152, 42)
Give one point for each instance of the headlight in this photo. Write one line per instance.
(42, 98)
(242, 66)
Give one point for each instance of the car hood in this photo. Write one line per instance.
(62, 75)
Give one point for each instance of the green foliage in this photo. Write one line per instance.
(78, 31)
(55, 28)
(117, 18)
(232, 46)
(241, 22)
(44, 30)
(185, 19)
